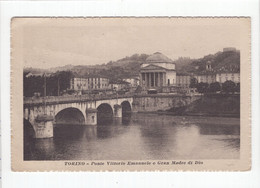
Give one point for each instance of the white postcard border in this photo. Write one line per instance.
(237, 178)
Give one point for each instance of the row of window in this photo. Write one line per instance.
(80, 85)
(226, 74)
(88, 81)
(86, 86)
(226, 78)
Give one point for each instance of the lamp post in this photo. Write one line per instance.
(44, 94)
(43, 122)
(58, 86)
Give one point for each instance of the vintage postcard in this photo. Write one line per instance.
(131, 94)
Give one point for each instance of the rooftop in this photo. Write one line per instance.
(158, 58)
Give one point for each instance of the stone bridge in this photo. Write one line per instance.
(41, 113)
(73, 109)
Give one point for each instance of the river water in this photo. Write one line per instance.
(141, 137)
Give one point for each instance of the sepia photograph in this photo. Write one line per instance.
(151, 93)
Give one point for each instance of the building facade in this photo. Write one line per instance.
(225, 76)
(221, 75)
(78, 84)
(90, 83)
(134, 81)
(183, 80)
(206, 77)
(157, 71)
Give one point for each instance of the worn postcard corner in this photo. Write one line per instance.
(131, 94)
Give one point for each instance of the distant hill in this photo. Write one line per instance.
(221, 61)
(130, 66)
(182, 62)
(114, 70)
(35, 70)
(61, 68)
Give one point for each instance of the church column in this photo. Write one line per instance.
(164, 79)
(158, 79)
(146, 79)
(150, 79)
(161, 79)
(153, 79)
(142, 79)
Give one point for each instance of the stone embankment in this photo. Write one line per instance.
(223, 105)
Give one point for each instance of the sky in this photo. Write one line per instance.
(53, 42)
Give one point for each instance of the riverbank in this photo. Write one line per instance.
(214, 105)
(191, 114)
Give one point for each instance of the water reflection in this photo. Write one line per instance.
(187, 140)
(40, 149)
(155, 137)
(141, 136)
(219, 129)
(126, 119)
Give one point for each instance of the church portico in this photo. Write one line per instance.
(153, 79)
(158, 71)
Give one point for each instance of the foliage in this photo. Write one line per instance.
(214, 87)
(193, 83)
(228, 86)
(202, 87)
(220, 60)
(32, 85)
(237, 88)
(57, 81)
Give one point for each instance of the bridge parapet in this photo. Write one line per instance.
(71, 98)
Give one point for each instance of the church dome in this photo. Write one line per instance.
(158, 58)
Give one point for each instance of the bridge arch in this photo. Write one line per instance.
(28, 129)
(126, 108)
(70, 115)
(104, 113)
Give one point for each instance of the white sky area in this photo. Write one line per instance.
(56, 42)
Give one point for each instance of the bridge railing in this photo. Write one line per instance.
(72, 98)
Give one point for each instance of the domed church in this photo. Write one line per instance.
(157, 71)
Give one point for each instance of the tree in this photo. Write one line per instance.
(228, 86)
(202, 87)
(237, 89)
(55, 83)
(32, 84)
(193, 83)
(58, 82)
(214, 87)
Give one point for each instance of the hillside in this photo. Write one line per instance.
(130, 66)
(182, 63)
(114, 70)
(221, 61)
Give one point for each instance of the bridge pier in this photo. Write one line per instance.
(117, 110)
(91, 116)
(43, 126)
(33, 107)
